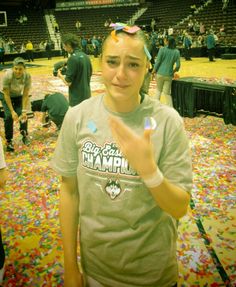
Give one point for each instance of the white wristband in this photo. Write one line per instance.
(154, 180)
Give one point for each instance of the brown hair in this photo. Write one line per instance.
(138, 35)
(70, 39)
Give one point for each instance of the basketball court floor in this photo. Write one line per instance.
(29, 203)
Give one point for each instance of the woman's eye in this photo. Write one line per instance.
(134, 65)
(111, 62)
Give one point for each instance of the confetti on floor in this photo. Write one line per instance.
(29, 207)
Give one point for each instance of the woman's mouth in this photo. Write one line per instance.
(120, 86)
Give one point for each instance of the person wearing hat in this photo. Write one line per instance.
(16, 84)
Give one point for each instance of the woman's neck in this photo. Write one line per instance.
(115, 105)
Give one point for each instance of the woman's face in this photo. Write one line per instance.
(18, 70)
(124, 65)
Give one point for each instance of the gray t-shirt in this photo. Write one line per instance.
(16, 86)
(125, 236)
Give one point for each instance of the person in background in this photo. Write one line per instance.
(210, 43)
(56, 26)
(48, 49)
(225, 5)
(125, 164)
(200, 41)
(2, 53)
(222, 30)
(22, 49)
(79, 71)
(153, 24)
(11, 45)
(42, 45)
(3, 179)
(170, 31)
(16, 83)
(84, 44)
(54, 107)
(190, 25)
(202, 28)
(196, 27)
(106, 24)
(187, 43)
(77, 25)
(25, 18)
(193, 8)
(29, 49)
(167, 63)
(96, 45)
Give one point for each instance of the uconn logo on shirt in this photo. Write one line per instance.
(113, 188)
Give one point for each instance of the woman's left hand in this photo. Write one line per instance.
(138, 150)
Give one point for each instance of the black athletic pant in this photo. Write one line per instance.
(8, 120)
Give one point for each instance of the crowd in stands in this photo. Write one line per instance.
(22, 19)
(92, 45)
(195, 30)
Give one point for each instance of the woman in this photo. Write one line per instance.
(167, 63)
(126, 176)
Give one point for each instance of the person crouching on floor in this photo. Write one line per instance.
(16, 83)
(54, 108)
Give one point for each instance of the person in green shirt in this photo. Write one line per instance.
(78, 72)
(54, 107)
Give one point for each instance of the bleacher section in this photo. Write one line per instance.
(34, 29)
(92, 20)
(166, 13)
(215, 17)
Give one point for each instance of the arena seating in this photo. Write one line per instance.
(34, 29)
(213, 16)
(166, 13)
(92, 20)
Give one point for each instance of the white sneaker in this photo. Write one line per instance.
(2, 271)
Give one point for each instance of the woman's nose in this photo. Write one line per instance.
(121, 72)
